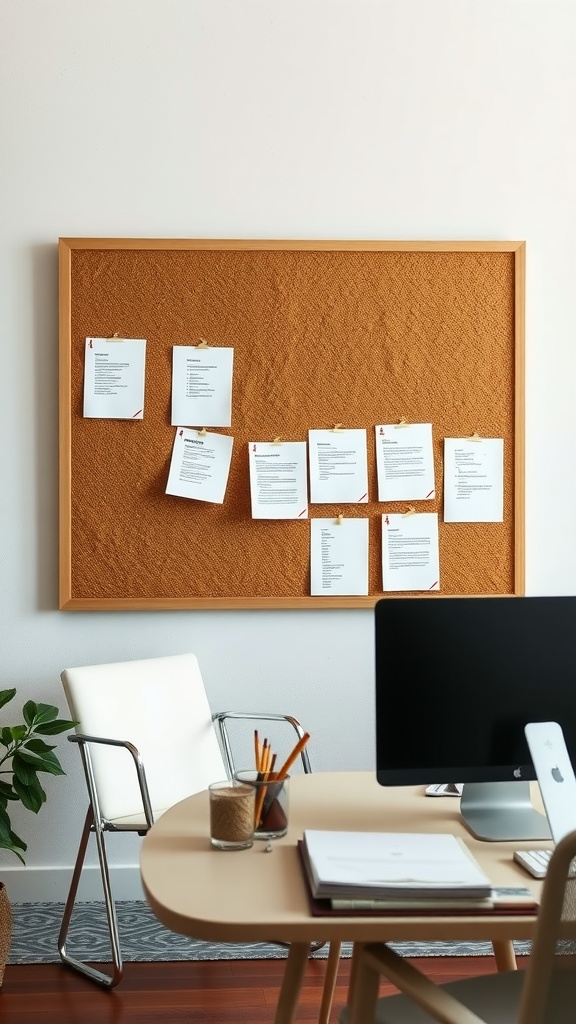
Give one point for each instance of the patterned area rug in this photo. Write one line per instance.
(143, 938)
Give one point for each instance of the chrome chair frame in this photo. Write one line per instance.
(220, 718)
(96, 823)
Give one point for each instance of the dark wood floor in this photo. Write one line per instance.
(207, 992)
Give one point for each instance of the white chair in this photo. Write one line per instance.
(544, 993)
(147, 740)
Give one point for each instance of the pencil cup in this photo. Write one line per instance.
(232, 806)
(271, 806)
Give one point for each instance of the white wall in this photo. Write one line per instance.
(390, 119)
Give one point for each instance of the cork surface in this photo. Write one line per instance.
(319, 337)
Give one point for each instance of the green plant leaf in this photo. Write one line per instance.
(53, 728)
(17, 841)
(38, 746)
(31, 794)
(41, 762)
(29, 712)
(10, 841)
(45, 713)
(12, 848)
(22, 770)
(5, 696)
(24, 756)
(7, 792)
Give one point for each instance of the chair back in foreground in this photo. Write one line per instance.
(160, 706)
(545, 993)
(147, 740)
(549, 992)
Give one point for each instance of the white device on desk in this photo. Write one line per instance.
(444, 789)
(557, 783)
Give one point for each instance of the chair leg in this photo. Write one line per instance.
(107, 980)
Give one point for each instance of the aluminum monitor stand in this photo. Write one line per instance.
(502, 812)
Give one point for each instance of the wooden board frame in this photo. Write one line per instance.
(74, 597)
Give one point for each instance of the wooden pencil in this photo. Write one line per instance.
(263, 757)
(283, 771)
(262, 792)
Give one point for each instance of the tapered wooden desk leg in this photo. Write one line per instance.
(292, 982)
(353, 972)
(332, 965)
(504, 954)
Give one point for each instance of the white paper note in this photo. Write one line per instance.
(473, 480)
(114, 378)
(200, 465)
(339, 557)
(278, 484)
(405, 462)
(410, 552)
(202, 386)
(338, 466)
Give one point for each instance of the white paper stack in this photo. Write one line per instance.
(395, 865)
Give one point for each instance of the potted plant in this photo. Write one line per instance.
(23, 755)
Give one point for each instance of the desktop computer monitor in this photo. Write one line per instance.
(457, 679)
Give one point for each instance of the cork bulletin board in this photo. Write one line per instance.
(326, 332)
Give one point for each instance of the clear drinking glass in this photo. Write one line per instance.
(232, 805)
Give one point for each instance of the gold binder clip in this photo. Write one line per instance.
(402, 423)
(202, 343)
(475, 436)
(411, 512)
(115, 337)
(338, 520)
(202, 432)
(277, 440)
(337, 426)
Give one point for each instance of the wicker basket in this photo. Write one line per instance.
(5, 929)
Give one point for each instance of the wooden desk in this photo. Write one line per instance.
(254, 896)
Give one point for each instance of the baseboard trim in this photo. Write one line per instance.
(50, 885)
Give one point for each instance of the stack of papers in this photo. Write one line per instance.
(391, 866)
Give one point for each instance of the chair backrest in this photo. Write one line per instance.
(159, 705)
(549, 991)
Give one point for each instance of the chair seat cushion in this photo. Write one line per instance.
(133, 822)
(494, 997)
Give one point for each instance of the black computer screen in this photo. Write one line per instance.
(457, 679)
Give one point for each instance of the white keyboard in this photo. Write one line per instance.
(534, 861)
